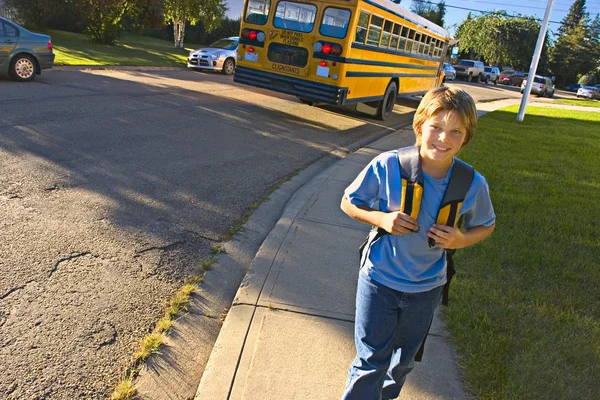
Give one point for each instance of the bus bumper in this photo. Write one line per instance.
(314, 91)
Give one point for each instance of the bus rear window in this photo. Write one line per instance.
(257, 12)
(335, 22)
(295, 16)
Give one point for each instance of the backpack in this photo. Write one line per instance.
(448, 213)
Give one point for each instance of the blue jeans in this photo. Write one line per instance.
(389, 329)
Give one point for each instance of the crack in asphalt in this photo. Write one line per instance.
(167, 247)
(71, 257)
(12, 290)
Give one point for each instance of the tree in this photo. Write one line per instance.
(502, 39)
(210, 12)
(429, 11)
(573, 18)
(103, 19)
(576, 50)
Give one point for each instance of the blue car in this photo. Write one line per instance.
(573, 88)
(23, 54)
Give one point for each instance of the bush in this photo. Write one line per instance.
(588, 79)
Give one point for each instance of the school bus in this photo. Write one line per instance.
(340, 51)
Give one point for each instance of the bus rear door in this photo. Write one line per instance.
(289, 40)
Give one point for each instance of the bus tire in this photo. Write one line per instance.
(386, 106)
(306, 101)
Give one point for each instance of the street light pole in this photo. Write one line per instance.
(535, 61)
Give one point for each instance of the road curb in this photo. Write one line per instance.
(114, 67)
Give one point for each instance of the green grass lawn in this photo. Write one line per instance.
(525, 305)
(579, 102)
(76, 49)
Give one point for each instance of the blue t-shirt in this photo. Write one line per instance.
(406, 262)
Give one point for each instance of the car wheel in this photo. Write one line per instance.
(496, 81)
(22, 68)
(542, 94)
(386, 106)
(487, 80)
(551, 95)
(228, 66)
(469, 77)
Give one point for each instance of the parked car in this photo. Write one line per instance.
(469, 70)
(449, 72)
(219, 56)
(589, 92)
(491, 74)
(541, 86)
(514, 78)
(504, 77)
(573, 88)
(23, 54)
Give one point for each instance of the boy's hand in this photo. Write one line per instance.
(446, 237)
(398, 223)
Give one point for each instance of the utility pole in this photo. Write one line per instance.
(535, 61)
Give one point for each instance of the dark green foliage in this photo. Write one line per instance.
(434, 13)
(502, 39)
(577, 49)
(196, 33)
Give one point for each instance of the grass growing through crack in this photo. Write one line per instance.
(239, 224)
(178, 304)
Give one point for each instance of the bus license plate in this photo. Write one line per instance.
(323, 71)
(251, 57)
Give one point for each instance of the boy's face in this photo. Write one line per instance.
(442, 136)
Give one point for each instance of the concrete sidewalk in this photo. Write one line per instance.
(289, 332)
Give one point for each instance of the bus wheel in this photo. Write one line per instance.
(306, 101)
(386, 106)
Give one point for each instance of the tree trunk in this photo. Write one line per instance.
(179, 31)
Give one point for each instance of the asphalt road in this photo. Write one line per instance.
(114, 186)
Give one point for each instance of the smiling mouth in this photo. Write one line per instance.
(440, 148)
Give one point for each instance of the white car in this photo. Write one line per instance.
(449, 72)
(491, 74)
(219, 56)
(589, 92)
(541, 86)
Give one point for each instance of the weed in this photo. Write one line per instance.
(124, 390)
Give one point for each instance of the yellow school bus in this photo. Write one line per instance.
(340, 51)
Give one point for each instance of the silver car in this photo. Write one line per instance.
(541, 86)
(219, 56)
(449, 72)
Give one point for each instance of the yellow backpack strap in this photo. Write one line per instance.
(412, 180)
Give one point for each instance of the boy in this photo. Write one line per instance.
(401, 276)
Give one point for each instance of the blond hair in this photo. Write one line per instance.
(451, 99)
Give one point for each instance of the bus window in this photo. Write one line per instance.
(335, 22)
(416, 43)
(258, 11)
(374, 30)
(410, 40)
(386, 35)
(395, 36)
(361, 28)
(295, 16)
(403, 35)
(425, 46)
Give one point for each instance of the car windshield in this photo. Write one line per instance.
(539, 80)
(467, 63)
(590, 87)
(488, 69)
(227, 44)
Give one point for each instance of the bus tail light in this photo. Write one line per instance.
(253, 35)
(250, 49)
(333, 49)
(323, 64)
